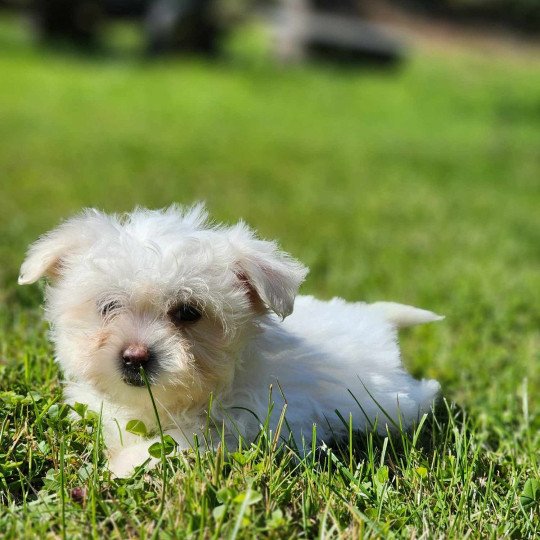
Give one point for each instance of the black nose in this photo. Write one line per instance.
(135, 355)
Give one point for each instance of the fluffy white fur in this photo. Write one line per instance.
(114, 281)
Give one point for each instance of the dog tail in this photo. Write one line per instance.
(403, 316)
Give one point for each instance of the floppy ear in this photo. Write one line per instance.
(270, 275)
(44, 257)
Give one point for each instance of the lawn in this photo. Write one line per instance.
(420, 185)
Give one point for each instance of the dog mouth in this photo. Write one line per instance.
(133, 379)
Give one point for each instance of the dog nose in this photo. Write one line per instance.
(135, 355)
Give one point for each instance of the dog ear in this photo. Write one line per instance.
(44, 257)
(271, 276)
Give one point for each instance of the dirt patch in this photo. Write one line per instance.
(423, 31)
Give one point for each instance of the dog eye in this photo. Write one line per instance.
(109, 307)
(185, 313)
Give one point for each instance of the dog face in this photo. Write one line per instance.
(162, 290)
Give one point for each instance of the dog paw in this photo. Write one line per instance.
(122, 464)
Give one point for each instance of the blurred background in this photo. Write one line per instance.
(394, 147)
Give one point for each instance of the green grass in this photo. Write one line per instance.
(421, 185)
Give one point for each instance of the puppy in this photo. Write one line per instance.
(207, 311)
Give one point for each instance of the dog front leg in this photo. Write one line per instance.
(124, 459)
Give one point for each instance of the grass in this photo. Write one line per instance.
(420, 185)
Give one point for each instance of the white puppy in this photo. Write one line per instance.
(192, 303)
